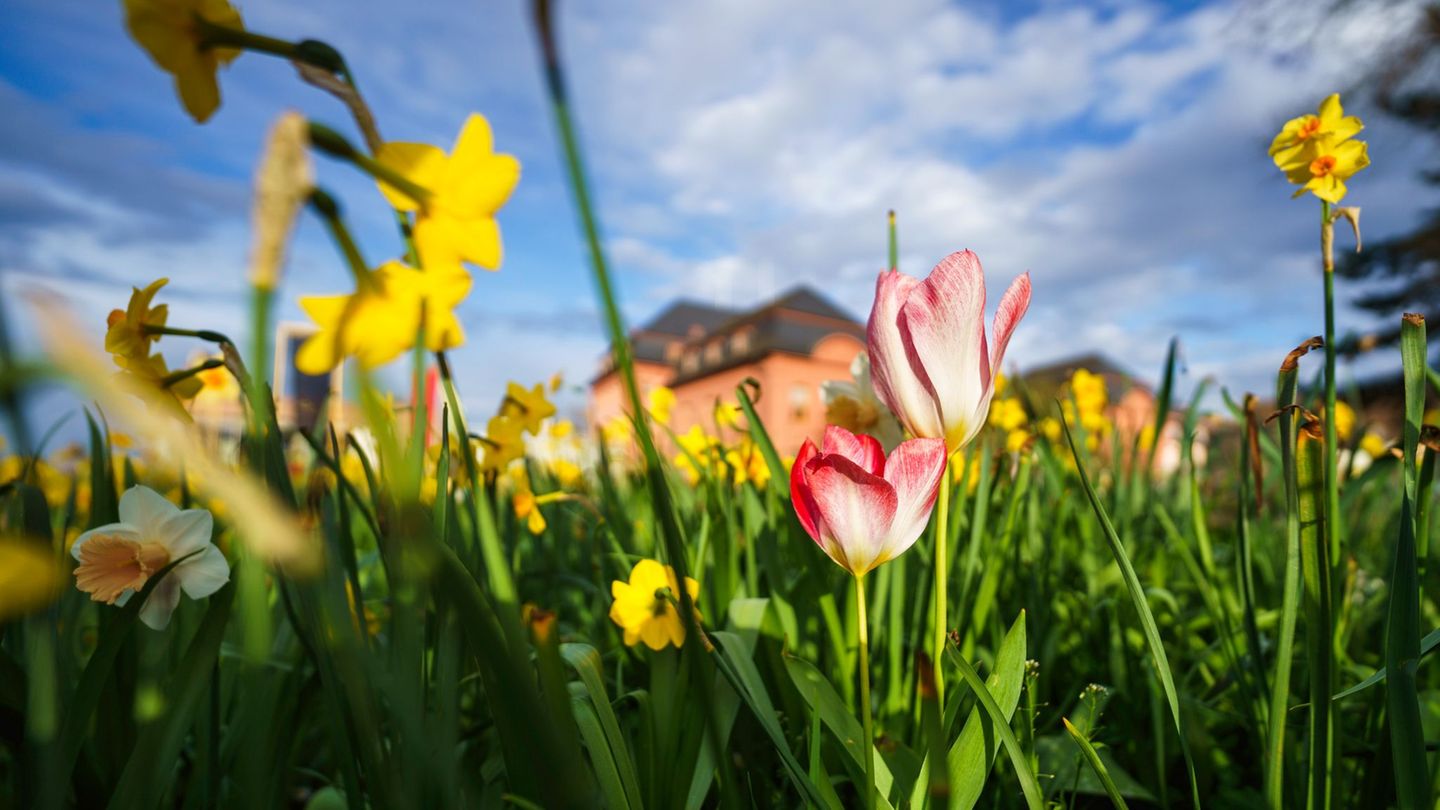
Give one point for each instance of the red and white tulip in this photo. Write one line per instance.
(929, 357)
(861, 507)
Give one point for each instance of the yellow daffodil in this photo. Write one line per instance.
(529, 408)
(747, 463)
(168, 30)
(152, 381)
(566, 472)
(1316, 151)
(503, 443)
(562, 428)
(616, 431)
(125, 333)
(698, 447)
(1344, 420)
(379, 321)
(527, 509)
(1007, 414)
(455, 224)
(30, 579)
(645, 607)
(1374, 446)
(728, 415)
(660, 401)
(556, 380)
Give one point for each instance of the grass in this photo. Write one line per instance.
(443, 653)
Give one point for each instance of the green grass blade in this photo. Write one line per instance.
(585, 660)
(1142, 608)
(1427, 645)
(740, 671)
(1402, 624)
(1034, 796)
(1093, 757)
(973, 752)
(825, 701)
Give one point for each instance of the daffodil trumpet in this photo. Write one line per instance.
(337, 146)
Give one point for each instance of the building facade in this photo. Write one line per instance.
(788, 346)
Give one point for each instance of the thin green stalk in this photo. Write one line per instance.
(942, 531)
(894, 244)
(620, 346)
(1290, 605)
(1332, 442)
(862, 626)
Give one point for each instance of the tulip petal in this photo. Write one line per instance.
(944, 321)
(145, 509)
(862, 449)
(857, 509)
(897, 382)
(1013, 306)
(203, 574)
(915, 470)
(800, 495)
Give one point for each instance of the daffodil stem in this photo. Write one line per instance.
(307, 51)
(338, 146)
(185, 374)
(1332, 448)
(329, 210)
(861, 622)
(203, 334)
(220, 36)
(942, 572)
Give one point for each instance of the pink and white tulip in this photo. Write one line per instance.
(862, 508)
(929, 357)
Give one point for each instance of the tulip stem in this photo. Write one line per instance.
(942, 572)
(868, 789)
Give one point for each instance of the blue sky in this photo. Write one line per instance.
(1116, 150)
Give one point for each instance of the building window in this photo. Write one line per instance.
(740, 342)
(799, 401)
(690, 363)
(672, 351)
(714, 351)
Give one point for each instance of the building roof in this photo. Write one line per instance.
(794, 323)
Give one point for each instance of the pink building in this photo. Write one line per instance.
(789, 346)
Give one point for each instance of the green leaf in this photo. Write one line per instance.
(974, 750)
(149, 770)
(1093, 757)
(1427, 644)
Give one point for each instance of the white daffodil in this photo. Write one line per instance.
(116, 560)
(853, 405)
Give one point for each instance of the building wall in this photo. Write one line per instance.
(790, 404)
(607, 395)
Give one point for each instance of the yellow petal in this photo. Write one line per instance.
(419, 163)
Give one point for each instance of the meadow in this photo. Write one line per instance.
(968, 594)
